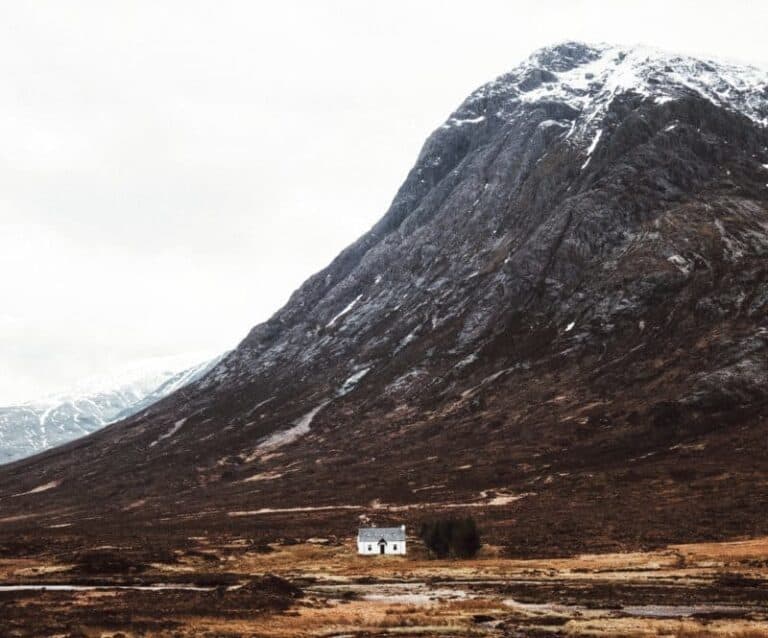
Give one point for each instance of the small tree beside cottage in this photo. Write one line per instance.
(455, 537)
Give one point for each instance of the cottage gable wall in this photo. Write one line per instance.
(377, 541)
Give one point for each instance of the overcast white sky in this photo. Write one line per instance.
(171, 171)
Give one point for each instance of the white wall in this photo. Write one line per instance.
(389, 549)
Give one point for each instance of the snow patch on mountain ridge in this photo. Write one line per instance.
(587, 78)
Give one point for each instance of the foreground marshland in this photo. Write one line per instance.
(231, 587)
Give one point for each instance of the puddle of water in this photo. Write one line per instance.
(399, 593)
(101, 587)
(543, 608)
(679, 611)
(426, 594)
(641, 611)
(427, 597)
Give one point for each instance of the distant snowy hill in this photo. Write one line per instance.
(34, 426)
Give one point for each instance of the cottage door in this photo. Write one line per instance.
(382, 545)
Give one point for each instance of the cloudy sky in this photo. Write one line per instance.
(171, 171)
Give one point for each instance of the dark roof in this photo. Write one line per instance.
(375, 534)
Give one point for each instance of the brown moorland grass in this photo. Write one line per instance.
(334, 578)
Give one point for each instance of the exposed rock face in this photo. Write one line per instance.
(567, 299)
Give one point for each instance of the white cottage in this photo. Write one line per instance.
(381, 540)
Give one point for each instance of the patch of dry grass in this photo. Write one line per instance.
(475, 605)
(653, 628)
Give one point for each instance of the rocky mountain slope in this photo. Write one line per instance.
(560, 325)
(35, 426)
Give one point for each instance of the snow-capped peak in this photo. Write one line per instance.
(588, 77)
(37, 425)
(136, 379)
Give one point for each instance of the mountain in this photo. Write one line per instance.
(35, 426)
(560, 325)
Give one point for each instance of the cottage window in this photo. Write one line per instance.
(369, 548)
(394, 548)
